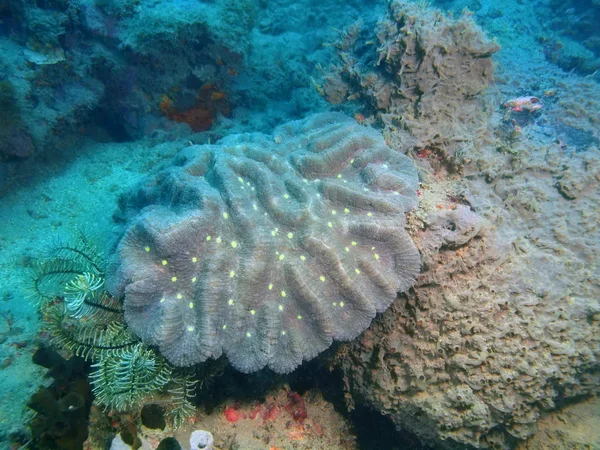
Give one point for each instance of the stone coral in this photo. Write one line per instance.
(266, 247)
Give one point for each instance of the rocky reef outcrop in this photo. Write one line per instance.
(502, 324)
(419, 73)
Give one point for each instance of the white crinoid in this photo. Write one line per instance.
(81, 290)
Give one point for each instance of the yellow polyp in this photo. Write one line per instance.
(369, 214)
(231, 274)
(290, 235)
(194, 280)
(190, 328)
(147, 248)
(162, 300)
(219, 240)
(322, 278)
(352, 161)
(194, 259)
(281, 257)
(346, 210)
(224, 327)
(283, 333)
(230, 302)
(280, 307)
(173, 279)
(283, 294)
(342, 304)
(252, 312)
(286, 196)
(334, 304)
(376, 256)
(357, 271)
(302, 258)
(164, 262)
(234, 244)
(353, 243)
(333, 212)
(270, 286)
(340, 175)
(299, 317)
(191, 305)
(255, 207)
(208, 238)
(347, 249)
(248, 334)
(179, 296)
(240, 179)
(329, 224)
(225, 215)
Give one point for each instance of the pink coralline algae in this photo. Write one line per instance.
(268, 247)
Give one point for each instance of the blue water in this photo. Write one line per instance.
(98, 96)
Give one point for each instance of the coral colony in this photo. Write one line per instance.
(267, 248)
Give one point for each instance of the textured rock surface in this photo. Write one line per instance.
(268, 247)
(503, 323)
(572, 427)
(420, 73)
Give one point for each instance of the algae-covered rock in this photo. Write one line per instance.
(421, 73)
(503, 324)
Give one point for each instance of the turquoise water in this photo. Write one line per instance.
(187, 127)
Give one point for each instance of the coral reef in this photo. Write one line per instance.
(282, 419)
(265, 247)
(102, 68)
(503, 323)
(420, 73)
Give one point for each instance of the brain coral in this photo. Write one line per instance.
(268, 247)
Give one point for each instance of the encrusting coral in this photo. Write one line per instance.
(267, 247)
(420, 73)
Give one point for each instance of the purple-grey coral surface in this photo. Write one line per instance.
(268, 247)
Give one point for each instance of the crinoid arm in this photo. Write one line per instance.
(87, 340)
(63, 261)
(182, 388)
(124, 378)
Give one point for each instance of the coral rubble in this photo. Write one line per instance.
(266, 247)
